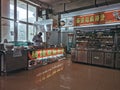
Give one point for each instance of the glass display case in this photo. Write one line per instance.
(39, 57)
(98, 46)
(95, 39)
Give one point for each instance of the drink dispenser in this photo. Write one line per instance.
(70, 41)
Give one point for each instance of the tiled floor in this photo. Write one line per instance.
(72, 77)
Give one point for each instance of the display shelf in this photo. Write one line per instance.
(97, 47)
(95, 39)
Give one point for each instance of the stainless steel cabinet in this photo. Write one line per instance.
(117, 61)
(73, 54)
(109, 59)
(10, 62)
(82, 56)
(89, 57)
(97, 57)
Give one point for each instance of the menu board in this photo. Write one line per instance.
(98, 18)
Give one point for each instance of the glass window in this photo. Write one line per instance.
(31, 14)
(21, 11)
(7, 29)
(31, 32)
(7, 9)
(40, 19)
(22, 32)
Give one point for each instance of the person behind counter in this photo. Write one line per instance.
(5, 41)
(37, 39)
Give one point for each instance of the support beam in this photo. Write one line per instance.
(39, 3)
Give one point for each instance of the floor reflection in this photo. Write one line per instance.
(63, 75)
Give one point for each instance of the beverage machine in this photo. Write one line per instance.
(70, 42)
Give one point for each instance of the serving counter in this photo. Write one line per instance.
(13, 60)
(38, 57)
(105, 58)
(28, 58)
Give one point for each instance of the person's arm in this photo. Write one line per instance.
(41, 39)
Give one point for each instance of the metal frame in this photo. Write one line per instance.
(15, 19)
(0, 20)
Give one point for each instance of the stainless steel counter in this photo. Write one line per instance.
(13, 60)
(107, 58)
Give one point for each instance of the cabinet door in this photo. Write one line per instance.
(117, 61)
(97, 57)
(82, 56)
(89, 57)
(73, 54)
(15, 63)
(109, 59)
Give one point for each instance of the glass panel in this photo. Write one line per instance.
(7, 9)
(7, 30)
(40, 19)
(31, 14)
(21, 11)
(22, 32)
(31, 32)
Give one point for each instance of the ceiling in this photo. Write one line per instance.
(60, 6)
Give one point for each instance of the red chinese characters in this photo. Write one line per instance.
(97, 18)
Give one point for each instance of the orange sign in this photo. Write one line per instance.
(98, 18)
